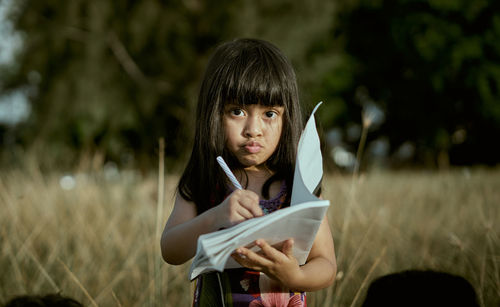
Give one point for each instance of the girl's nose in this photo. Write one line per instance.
(253, 127)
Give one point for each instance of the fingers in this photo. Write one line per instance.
(244, 213)
(250, 201)
(270, 260)
(241, 205)
(255, 209)
(245, 203)
(250, 259)
(268, 251)
(288, 248)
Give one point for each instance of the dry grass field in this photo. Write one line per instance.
(97, 240)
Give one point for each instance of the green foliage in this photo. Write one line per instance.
(433, 66)
(114, 77)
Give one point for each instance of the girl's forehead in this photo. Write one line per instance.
(256, 106)
(248, 103)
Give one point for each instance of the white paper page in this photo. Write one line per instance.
(309, 165)
(301, 227)
(293, 222)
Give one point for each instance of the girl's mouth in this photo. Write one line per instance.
(253, 147)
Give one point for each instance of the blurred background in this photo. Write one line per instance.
(97, 102)
(83, 79)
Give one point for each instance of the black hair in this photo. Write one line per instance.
(242, 71)
(49, 300)
(420, 288)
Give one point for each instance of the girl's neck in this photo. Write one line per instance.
(254, 178)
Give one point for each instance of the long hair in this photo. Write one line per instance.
(243, 71)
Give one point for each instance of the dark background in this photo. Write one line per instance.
(109, 78)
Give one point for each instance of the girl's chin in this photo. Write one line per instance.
(248, 162)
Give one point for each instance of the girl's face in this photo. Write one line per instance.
(252, 132)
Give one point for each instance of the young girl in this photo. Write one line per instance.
(248, 113)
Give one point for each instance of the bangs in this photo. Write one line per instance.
(249, 79)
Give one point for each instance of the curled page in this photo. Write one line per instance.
(309, 165)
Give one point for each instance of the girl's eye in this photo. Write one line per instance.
(237, 112)
(271, 114)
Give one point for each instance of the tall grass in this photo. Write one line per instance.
(416, 220)
(98, 242)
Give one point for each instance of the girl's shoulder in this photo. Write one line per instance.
(183, 210)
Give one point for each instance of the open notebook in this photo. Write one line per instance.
(300, 221)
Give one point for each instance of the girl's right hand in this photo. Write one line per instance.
(239, 206)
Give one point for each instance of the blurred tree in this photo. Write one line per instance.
(434, 66)
(113, 77)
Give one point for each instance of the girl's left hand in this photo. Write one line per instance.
(279, 265)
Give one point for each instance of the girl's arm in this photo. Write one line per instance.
(321, 266)
(184, 226)
(318, 272)
(178, 240)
